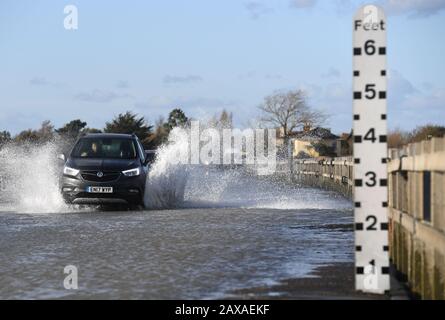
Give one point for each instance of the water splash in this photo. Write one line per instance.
(30, 183)
(237, 188)
(168, 175)
(30, 177)
(173, 183)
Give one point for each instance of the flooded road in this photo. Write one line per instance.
(168, 254)
(228, 230)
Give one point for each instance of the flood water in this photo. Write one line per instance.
(167, 254)
(233, 230)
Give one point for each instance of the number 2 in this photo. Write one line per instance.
(373, 223)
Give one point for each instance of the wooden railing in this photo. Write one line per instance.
(333, 173)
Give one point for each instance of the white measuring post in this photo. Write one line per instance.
(370, 150)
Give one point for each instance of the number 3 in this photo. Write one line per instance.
(372, 180)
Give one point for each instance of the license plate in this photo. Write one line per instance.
(100, 189)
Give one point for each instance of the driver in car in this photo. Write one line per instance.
(92, 152)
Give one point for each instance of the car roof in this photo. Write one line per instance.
(109, 135)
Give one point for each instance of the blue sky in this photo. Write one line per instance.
(203, 56)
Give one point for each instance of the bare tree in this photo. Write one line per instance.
(224, 120)
(290, 111)
(397, 138)
(42, 135)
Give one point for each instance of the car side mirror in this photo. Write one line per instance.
(61, 157)
(149, 157)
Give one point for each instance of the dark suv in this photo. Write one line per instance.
(106, 168)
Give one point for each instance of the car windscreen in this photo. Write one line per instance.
(114, 148)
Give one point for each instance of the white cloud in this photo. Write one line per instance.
(122, 84)
(344, 6)
(273, 76)
(161, 102)
(39, 81)
(311, 89)
(181, 79)
(42, 81)
(195, 107)
(433, 100)
(399, 88)
(257, 9)
(337, 92)
(410, 105)
(254, 74)
(303, 3)
(418, 109)
(414, 8)
(99, 96)
(331, 73)
(247, 75)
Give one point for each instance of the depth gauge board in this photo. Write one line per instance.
(370, 150)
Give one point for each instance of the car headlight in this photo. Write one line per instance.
(70, 171)
(132, 172)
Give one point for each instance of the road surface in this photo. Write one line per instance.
(228, 236)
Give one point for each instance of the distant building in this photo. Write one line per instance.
(309, 142)
(344, 145)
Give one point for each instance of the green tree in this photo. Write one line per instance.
(91, 130)
(226, 119)
(5, 137)
(44, 134)
(176, 118)
(222, 120)
(160, 134)
(28, 135)
(72, 129)
(129, 123)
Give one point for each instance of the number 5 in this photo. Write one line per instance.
(369, 89)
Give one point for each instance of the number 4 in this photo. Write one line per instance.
(370, 135)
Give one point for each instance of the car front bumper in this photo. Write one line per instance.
(128, 190)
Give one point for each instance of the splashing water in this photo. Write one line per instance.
(174, 184)
(30, 179)
(168, 176)
(213, 187)
(29, 183)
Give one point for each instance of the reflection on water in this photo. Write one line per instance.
(170, 254)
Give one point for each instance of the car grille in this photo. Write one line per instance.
(107, 176)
